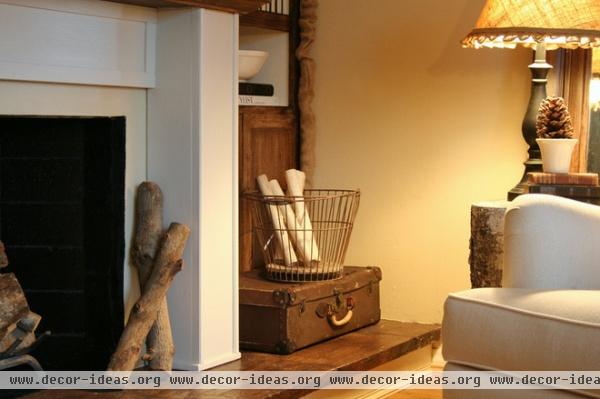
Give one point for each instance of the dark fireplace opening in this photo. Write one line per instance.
(62, 193)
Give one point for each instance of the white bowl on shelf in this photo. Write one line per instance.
(250, 63)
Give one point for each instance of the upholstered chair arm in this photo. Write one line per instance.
(551, 243)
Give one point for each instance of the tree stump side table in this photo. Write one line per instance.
(486, 256)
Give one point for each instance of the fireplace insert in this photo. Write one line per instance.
(62, 206)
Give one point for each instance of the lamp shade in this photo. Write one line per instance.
(554, 23)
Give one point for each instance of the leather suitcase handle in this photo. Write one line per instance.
(328, 310)
(338, 323)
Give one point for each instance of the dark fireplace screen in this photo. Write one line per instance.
(62, 222)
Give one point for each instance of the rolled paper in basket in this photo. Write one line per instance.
(295, 184)
(301, 236)
(280, 229)
(295, 181)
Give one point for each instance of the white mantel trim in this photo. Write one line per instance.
(98, 8)
(235, 343)
(48, 27)
(218, 55)
(193, 156)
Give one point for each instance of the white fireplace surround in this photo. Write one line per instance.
(173, 74)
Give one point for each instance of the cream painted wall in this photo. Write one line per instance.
(424, 128)
(25, 98)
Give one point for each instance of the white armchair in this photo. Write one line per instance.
(547, 315)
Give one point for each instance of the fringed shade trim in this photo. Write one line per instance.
(555, 23)
(529, 37)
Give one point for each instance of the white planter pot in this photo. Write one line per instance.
(556, 154)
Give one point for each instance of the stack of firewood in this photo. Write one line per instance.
(157, 255)
(17, 321)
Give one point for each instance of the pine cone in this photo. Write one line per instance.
(553, 120)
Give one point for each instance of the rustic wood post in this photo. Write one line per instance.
(168, 262)
(487, 243)
(306, 87)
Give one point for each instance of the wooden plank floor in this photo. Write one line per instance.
(417, 394)
(363, 349)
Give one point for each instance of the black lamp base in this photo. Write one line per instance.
(531, 165)
(539, 72)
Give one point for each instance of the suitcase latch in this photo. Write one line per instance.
(339, 298)
(284, 298)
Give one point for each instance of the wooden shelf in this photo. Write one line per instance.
(235, 6)
(363, 349)
(261, 108)
(266, 20)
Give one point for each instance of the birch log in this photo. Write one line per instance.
(295, 182)
(16, 320)
(170, 251)
(23, 330)
(13, 305)
(148, 228)
(281, 234)
(3, 257)
(168, 262)
(148, 231)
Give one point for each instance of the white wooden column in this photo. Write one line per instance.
(193, 156)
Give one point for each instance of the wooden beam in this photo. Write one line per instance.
(233, 6)
(267, 20)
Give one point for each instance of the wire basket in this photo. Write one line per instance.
(304, 238)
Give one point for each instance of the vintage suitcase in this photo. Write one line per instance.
(284, 317)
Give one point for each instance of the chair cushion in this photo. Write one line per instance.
(523, 329)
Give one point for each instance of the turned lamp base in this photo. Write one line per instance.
(531, 165)
(539, 72)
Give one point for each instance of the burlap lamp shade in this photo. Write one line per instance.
(554, 23)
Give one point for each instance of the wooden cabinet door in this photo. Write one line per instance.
(268, 145)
